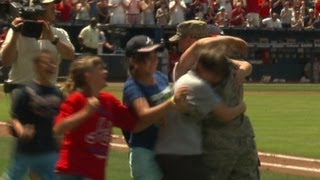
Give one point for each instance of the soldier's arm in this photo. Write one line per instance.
(226, 113)
(231, 46)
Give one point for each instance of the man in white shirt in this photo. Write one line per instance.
(18, 50)
(272, 22)
(89, 38)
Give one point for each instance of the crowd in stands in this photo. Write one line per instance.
(300, 14)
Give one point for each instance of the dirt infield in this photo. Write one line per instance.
(274, 162)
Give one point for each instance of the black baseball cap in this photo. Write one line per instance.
(140, 44)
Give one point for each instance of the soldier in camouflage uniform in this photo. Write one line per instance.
(229, 149)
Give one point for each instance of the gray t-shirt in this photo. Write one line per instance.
(182, 134)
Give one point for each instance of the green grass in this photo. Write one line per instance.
(286, 123)
(285, 118)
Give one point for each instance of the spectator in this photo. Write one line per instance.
(237, 16)
(134, 11)
(64, 11)
(243, 2)
(221, 18)
(93, 8)
(148, 13)
(199, 15)
(3, 70)
(82, 12)
(215, 6)
(89, 38)
(286, 15)
(317, 7)
(162, 14)
(3, 34)
(272, 22)
(227, 5)
(118, 11)
(193, 8)
(276, 6)
(209, 16)
(309, 19)
(297, 21)
(33, 111)
(252, 11)
(104, 44)
(264, 9)
(103, 12)
(204, 5)
(18, 51)
(177, 10)
(163, 57)
(303, 9)
(4, 10)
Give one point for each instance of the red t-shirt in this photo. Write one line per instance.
(234, 14)
(317, 8)
(252, 6)
(65, 12)
(84, 150)
(265, 10)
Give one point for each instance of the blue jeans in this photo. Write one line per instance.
(42, 164)
(143, 164)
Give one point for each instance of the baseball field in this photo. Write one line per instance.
(286, 119)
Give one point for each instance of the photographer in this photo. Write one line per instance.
(20, 47)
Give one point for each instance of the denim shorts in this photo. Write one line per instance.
(143, 164)
(42, 164)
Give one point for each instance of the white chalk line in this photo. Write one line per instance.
(289, 157)
(118, 145)
(299, 168)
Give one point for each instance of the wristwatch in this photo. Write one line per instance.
(55, 40)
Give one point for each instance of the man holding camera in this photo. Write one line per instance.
(22, 44)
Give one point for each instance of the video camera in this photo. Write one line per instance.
(30, 13)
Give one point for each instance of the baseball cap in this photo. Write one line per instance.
(140, 44)
(45, 1)
(214, 30)
(222, 8)
(193, 28)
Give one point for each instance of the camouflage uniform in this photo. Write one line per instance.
(229, 149)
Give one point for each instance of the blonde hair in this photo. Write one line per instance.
(76, 79)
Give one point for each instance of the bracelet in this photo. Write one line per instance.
(172, 100)
(15, 29)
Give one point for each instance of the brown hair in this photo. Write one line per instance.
(76, 79)
(215, 61)
(36, 59)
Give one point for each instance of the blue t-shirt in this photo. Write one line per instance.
(155, 94)
(37, 105)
